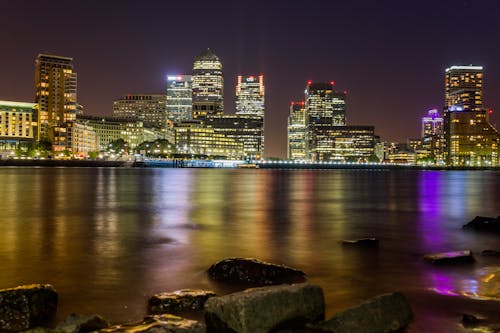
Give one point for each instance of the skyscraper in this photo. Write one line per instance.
(297, 147)
(250, 95)
(464, 87)
(208, 85)
(55, 92)
(325, 109)
(432, 124)
(179, 98)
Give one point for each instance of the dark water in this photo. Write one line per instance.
(108, 238)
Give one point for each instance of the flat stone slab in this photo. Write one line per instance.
(261, 310)
(464, 256)
(382, 314)
(361, 242)
(483, 223)
(159, 324)
(179, 301)
(26, 307)
(254, 271)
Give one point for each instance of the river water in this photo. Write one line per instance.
(108, 238)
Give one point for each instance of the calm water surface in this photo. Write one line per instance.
(108, 238)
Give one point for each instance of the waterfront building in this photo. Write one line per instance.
(345, 144)
(74, 138)
(470, 139)
(150, 109)
(432, 135)
(194, 138)
(250, 95)
(179, 98)
(464, 87)
(18, 124)
(297, 146)
(207, 85)
(245, 128)
(325, 109)
(55, 92)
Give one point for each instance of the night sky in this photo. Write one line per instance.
(389, 56)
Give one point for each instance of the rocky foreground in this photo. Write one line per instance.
(279, 302)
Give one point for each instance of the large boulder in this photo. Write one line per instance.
(260, 310)
(453, 257)
(26, 307)
(382, 314)
(179, 301)
(253, 271)
(165, 323)
(482, 223)
(80, 323)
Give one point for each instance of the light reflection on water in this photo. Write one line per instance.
(108, 238)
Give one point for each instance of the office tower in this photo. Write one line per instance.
(470, 139)
(250, 95)
(245, 128)
(55, 92)
(297, 147)
(325, 108)
(432, 124)
(151, 110)
(208, 85)
(464, 87)
(179, 98)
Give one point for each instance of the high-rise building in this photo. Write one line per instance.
(297, 147)
(432, 124)
(325, 108)
(55, 92)
(179, 98)
(464, 87)
(470, 139)
(151, 110)
(208, 85)
(250, 95)
(432, 136)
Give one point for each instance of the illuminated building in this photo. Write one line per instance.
(464, 87)
(325, 109)
(55, 92)
(250, 95)
(345, 144)
(208, 85)
(297, 147)
(151, 110)
(18, 124)
(179, 98)
(245, 128)
(432, 135)
(194, 138)
(470, 139)
(109, 129)
(75, 138)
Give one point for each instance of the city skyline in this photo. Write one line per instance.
(391, 76)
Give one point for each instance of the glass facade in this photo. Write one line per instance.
(208, 85)
(151, 110)
(297, 147)
(464, 87)
(250, 93)
(179, 97)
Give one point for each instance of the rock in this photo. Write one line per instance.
(78, 323)
(482, 223)
(453, 257)
(178, 301)
(159, 324)
(490, 253)
(260, 310)
(361, 242)
(469, 320)
(382, 314)
(26, 307)
(254, 272)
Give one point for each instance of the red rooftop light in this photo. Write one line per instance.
(332, 82)
(309, 82)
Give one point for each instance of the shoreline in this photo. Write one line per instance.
(258, 165)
